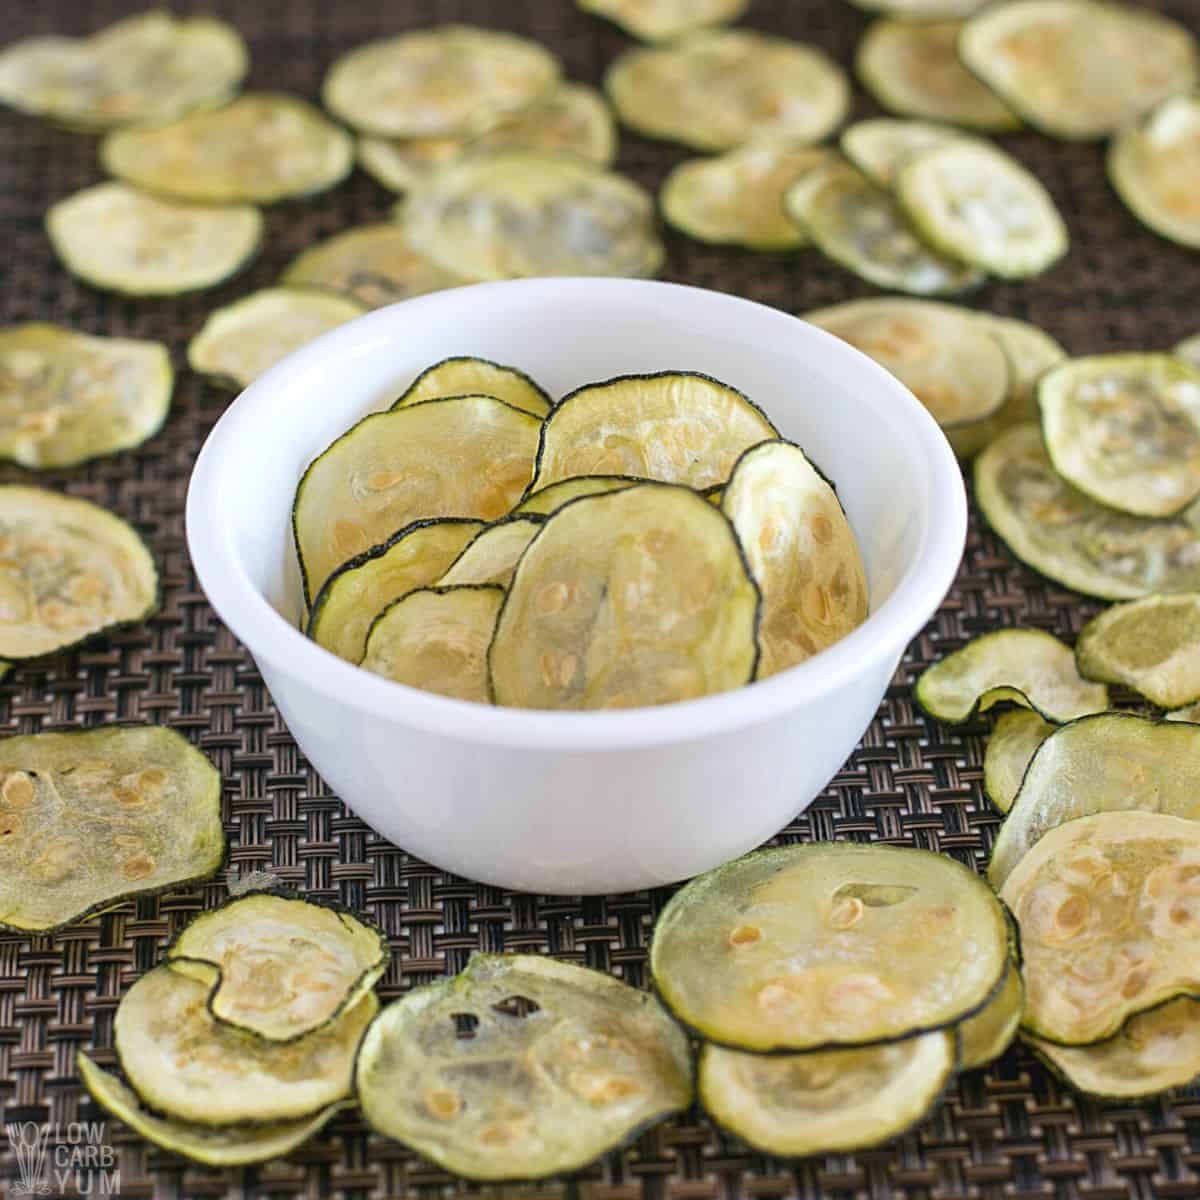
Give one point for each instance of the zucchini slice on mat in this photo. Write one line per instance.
(571, 118)
(715, 90)
(444, 81)
(89, 818)
(861, 227)
(665, 20)
(399, 164)
(124, 240)
(674, 426)
(1125, 430)
(237, 343)
(912, 68)
(990, 1032)
(1110, 762)
(492, 556)
(66, 398)
(279, 966)
(736, 199)
(1189, 350)
(360, 589)
(631, 598)
(1012, 744)
(878, 146)
(465, 376)
(466, 456)
(551, 498)
(826, 944)
(1079, 69)
(828, 1102)
(70, 571)
(229, 1146)
(1109, 914)
(802, 553)
(559, 1065)
(1022, 666)
(149, 67)
(182, 1062)
(1073, 540)
(262, 148)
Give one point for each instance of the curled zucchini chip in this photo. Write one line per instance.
(858, 225)
(551, 498)
(1023, 666)
(1111, 762)
(1189, 350)
(465, 376)
(493, 554)
(437, 82)
(818, 945)
(264, 147)
(182, 1062)
(466, 456)
(66, 398)
(1078, 69)
(1107, 906)
(665, 20)
(372, 264)
(631, 598)
(1013, 742)
(70, 571)
(150, 67)
(89, 818)
(715, 90)
(360, 589)
(237, 343)
(830, 1102)
(559, 1066)
(1072, 539)
(675, 426)
(124, 240)
(990, 1032)
(571, 118)
(1125, 430)
(977, 204)
(736, 199)
(230, 1146)
(912, 68)
(878, 146)
(802, 554)
(283, 966)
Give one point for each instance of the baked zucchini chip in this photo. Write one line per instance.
(1189, 350)
(279, 966)
(802, 554)
(70, 571)
(492, 556)
(861, 227)
(551, 498)
(675, 426)
(828, 1102)
(990, 1032)
(922, 10)
(92, 817)
(1013, 742)
(630, 598)
(1108, 911)
(262, 148)
(66, 398)
(184, 1063)
(561, 1065)
(149, 67)
(879, 145)
(228, 1146)
(439, 82)
(830, 944)
(124, 240)
(1070, 538)
(736, 199)
(465, 376)
(466, 456)
(1078, 69)
(912, 68)
(518, 213)
(665, 20)
(571, 118)
(237, 343)
(714, 90)
(360, 589)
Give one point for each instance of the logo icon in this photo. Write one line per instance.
(29, 1143)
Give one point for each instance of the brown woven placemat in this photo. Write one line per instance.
(1010, 1131)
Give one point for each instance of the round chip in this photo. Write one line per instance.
(123, 240)
(571, 118)
(665, 20)
(635, 597)
(1189, 350)
(713, 91)
(521, 1067)
(66, 398)
(991, 1031)
(493, 555)
(466, 376)
(264, 147)
(877, 147)
(551, 498)
(1014, 741)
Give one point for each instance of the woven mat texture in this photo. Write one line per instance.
(1010, 1132)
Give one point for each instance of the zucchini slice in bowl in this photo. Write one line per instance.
(1010, 747)
(493, 554)
(990, 1032)
(665, 20)
(466, 376)
(879, 145)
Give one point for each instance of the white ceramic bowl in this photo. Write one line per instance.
(579, 802)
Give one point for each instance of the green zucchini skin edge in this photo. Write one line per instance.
(469, 358)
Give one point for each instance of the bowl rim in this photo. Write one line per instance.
(274, 641)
